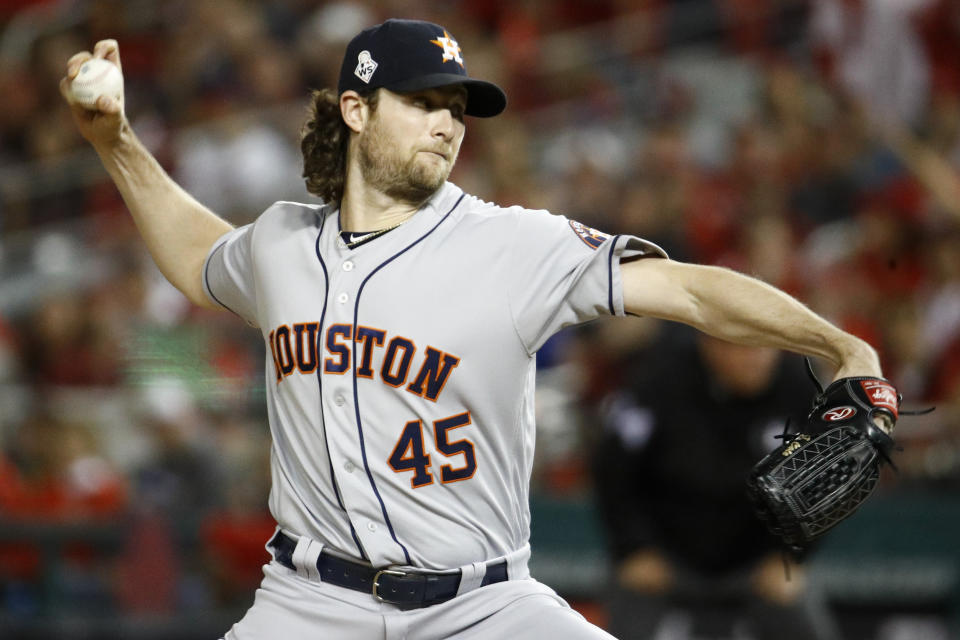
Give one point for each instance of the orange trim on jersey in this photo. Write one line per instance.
(441, 364)
(273, 353)
(389, 357)
(404, 457)
(362, 336)
(346, 330)
(311, 350)
(288, 368)
(444, 469)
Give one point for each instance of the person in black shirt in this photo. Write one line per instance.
(680, 435)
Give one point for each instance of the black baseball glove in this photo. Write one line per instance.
(828, 465)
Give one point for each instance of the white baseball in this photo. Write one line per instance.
(96, 77)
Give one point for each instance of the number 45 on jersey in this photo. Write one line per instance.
(409, 454)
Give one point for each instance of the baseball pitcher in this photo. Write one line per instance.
(400, 320)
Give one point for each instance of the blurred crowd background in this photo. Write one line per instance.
(812, 143)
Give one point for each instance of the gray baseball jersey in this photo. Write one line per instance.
(400, 373)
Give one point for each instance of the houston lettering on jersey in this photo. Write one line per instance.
(394, 359)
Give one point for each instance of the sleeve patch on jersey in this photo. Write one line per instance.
(591, 237)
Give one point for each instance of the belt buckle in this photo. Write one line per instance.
(376, 583)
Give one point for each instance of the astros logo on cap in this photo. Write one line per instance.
(451, 50)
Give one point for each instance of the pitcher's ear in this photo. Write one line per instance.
(354, 110)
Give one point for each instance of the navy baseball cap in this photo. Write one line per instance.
(410, 55)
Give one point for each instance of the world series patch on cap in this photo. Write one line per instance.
(411, 55)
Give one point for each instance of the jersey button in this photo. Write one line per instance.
(339, 400)
(348, 466)
(348, 265)
(372, 526)
(342, 298)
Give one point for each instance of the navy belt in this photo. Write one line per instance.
(406, 589)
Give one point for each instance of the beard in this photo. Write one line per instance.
(383, 167)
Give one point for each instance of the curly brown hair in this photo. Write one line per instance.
(323, 142)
